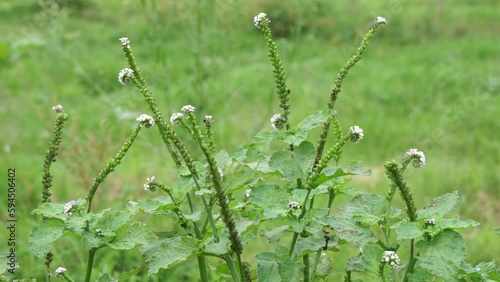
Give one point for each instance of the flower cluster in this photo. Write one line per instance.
(175, 118)
(221, 173)
(278, 121)
(146, 121)
(380, 20)
(208, 120)
(125, 42)
(257, 20)
(356, 133)
(147, 185)
(58, 109)
(391, 258)
(60, 270)
(247, 193)
(430, 221)
(124, 74)
(417, 156)
(68, 207)
(293, 205)
(188, 109)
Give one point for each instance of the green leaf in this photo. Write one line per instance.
(219, 248)
(353, 169)
(304, 155)
(497, 230)
(274, 234)
(309, 244)
(274, 267)
(223, 159)
(316, 119)
(456, 223)
(370, 259)
(439, 207)
(127, 276)
(325, 266)
(294, 137)
(349, 231)
(420, 275)
(132, 234)
(52, 210)
(181, 187)
(44, 234)
(354, 264)
(368, 209)
(267, 267)
(481, 271)
(260, 143)
(152, 206)
(443, 255)
(166, 252)
(112, 221)
(106, 278)
(272, 199)
(239, 179)
(283, 162)
(407, 230)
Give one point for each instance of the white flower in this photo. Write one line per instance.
(147, 185)
(247, 193)
(391, 258)
(380, 20)
(99, 231)
(188, 109)
(146, 120)
(125, 42)
(258, 19)
(174, 119)
(124, 74)
(430, 221)
(277, 121)
(417, 156)
(58, 109)
(293, 204)
(60, 270)
(221, 173)
(208, 120)
(69, 206)
(356, 133)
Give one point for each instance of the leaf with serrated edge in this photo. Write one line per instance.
(166, 252)
(439, 207)
(443, 255)
(44, 234)
(132, 234)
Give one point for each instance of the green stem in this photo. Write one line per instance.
(305, 260)
(232, 267)
(90, 262)
(412, 262)
(202, 265)
(111, 166)
(315, 264)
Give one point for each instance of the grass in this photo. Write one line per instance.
(428, 80)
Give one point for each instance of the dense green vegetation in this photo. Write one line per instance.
(429, 80)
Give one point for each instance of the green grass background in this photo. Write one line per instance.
(428, 80)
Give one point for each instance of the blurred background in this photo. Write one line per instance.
(428, 80)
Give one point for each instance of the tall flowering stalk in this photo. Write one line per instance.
(338, 84)
(50, 157)
(216, 175)
(261, 21)
(395, 175)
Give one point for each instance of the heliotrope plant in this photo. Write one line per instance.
(220, 202)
